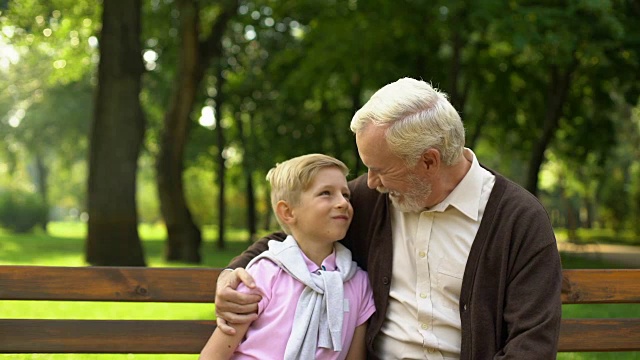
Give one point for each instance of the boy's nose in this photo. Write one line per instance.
(342, 202)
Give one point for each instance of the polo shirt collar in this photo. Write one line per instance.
(329, 263)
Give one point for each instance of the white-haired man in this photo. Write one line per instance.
(463, 262)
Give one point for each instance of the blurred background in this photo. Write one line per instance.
(128, 120)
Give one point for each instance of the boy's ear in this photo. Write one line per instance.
(285, 212)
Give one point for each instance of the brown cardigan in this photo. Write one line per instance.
(510, 298)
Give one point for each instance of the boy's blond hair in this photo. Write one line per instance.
(290, 178)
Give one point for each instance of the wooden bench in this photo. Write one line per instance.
(196, 285)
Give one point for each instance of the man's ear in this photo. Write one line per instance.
(284, 211)
(431, 160)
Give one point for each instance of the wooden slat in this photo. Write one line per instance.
(601, 286)
(188, 337)
(599, 335)
(198, 285)
(104, 336)
(108, 284)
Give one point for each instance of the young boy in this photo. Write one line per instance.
(315, 300)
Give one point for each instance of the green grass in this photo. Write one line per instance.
(64, 244)
(571, 261)
(600, 236)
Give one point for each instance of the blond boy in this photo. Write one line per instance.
(315, 300)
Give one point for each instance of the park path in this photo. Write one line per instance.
(629, 256)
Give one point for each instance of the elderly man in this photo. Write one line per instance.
(463, 262)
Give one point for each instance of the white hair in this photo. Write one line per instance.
(418, 117)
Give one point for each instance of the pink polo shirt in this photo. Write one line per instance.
(267, 336)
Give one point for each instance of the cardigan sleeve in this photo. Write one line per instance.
(255, 249)
(533, 307)
(510, 303)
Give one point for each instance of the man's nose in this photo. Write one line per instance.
(373, 180)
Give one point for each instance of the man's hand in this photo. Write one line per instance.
(234, 307)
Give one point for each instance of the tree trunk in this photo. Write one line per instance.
(247, 173)
(266, 224)
(184, 237)
(456, 68)
(472, 136)
(588, 206)
(559, 84)
(571, 220)
(252, 219)
(116, 137)
(356, 89)
(42, 186)
(222, 169)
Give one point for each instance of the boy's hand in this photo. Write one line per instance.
(232, 306)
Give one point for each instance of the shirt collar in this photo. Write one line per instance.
(328, 264)
(466, 195)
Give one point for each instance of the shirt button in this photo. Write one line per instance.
(425, 327)
(422, 254)
(385, 280)
(423, 295)
(431, 350)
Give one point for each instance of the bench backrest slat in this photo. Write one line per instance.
(601, 286)
(108, 284)
(197, 285)
(104, 336)
(599, 335)
(188, 337)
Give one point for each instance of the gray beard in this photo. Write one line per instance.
(413, 200)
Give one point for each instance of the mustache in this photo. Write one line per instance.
(384, 190)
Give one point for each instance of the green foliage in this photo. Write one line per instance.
(46, 94)
(295, 72)
(21, 211)
(634, 190)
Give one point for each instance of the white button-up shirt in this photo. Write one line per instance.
(430, 251)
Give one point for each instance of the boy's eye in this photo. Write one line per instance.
(347, 196)
(325, 192)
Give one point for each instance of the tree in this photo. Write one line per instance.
(561, 63)
(184, 237)
(45, 60)
(116, 137)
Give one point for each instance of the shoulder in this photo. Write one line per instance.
(512, 196)
(263, 265)
(265, 273)
(520, 214)
(360, 281)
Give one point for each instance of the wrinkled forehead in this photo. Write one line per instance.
(373, 148)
